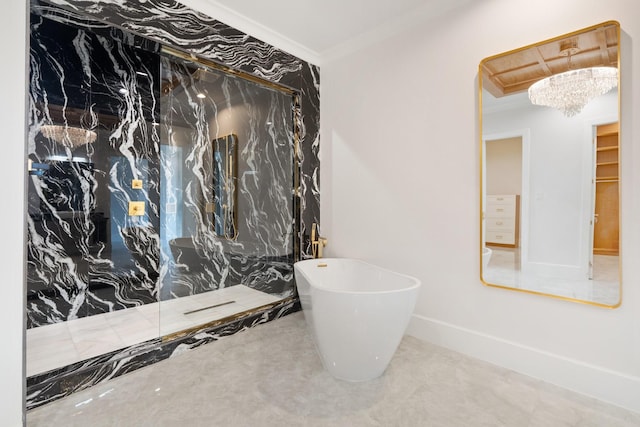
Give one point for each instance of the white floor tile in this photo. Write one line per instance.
(271, 375)
(505, 269)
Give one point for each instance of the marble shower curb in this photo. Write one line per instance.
(56, 384)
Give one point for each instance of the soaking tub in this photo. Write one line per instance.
(357, 313)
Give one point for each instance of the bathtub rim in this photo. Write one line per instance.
(415, 285)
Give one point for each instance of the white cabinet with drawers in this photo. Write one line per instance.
(501, 220)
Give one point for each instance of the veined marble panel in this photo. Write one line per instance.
(229, 167)
(86, 256)
(97, 65)
(173, 24)
(58, 383)
(80, 236)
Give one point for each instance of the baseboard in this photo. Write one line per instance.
(603, 384)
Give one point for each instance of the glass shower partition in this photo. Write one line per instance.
(227, 221)
(160, 197)
(167, 193)
(92, 249)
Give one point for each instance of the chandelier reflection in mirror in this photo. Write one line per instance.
(550, 186)
(571, 90)
(68, 136)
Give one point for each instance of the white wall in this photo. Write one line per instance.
(560, 189)
(13, 22)
(503, 158)
(400, 187)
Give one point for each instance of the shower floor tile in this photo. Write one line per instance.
(53, 346)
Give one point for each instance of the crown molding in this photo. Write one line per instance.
(240, 22)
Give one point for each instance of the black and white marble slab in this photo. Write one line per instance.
(99, 65)
(79, 236)
(49, 386)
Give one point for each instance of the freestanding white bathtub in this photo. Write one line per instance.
(357, 313)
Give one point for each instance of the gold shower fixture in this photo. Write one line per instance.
(317, 242)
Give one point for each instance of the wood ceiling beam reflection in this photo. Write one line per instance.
(601, 36)
(543, 64)
(514, 72)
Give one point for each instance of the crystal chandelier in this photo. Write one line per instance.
(68, 136)
(572, 90)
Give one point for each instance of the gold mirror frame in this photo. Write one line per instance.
(225, 186)
(513, 72)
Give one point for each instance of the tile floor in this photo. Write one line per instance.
(604, 288)
(270, 375)
(60, 344)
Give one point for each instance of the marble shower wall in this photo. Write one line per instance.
(80, 238)
(98, 65)
(244, 221)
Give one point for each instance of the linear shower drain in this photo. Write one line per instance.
(209, 307)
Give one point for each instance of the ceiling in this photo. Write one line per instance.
(514, 72)
(321, 27)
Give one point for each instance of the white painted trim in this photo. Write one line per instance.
(595, 381)
(13, 119)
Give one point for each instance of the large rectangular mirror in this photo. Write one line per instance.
(550, 171)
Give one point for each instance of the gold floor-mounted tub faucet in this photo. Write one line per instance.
(317, 242)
